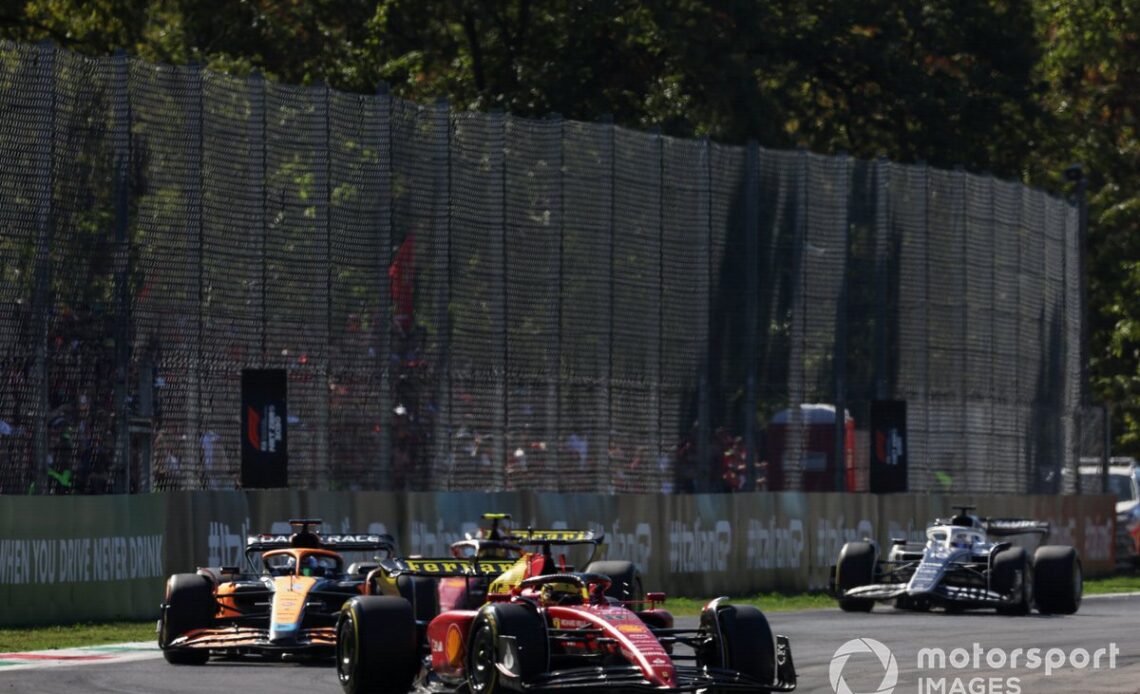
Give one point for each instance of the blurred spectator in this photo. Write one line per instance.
(213, 477)
(733, 471)
(667, 483)
(579, 446)
(167, 470)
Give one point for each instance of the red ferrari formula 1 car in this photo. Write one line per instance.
(501, 542)
(552, 630)
(286, 604)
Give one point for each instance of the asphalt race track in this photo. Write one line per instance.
(816, 635)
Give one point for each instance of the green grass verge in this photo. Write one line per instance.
(1123, 583)
(45, 638)
(72, 635)
(768, 602)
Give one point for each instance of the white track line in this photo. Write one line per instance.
(86, 655)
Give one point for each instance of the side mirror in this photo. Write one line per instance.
(655, 598)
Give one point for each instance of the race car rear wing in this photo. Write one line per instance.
(1004, 527)
(305, 537)
(346, 542)
(446, 566)
(531, 536)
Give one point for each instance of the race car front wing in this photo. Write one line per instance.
(242, 640)
(942, 593)
(689, 678)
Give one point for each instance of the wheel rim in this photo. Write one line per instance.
(482, 670)
(1027, 581)
(346, 650)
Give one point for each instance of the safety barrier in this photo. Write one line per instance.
(66, 559)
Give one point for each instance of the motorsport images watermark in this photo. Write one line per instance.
(955, 671)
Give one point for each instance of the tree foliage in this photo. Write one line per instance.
(1020, 88)
(1092, 67)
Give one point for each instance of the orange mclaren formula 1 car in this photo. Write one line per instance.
(546, 627)
(285, 604)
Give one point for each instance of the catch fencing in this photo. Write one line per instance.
(477, 301)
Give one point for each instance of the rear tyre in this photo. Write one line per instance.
(376, 649)
(1012, 575)
(625, 579)
(423, 593)
(745, 642)
(1058, 580)
(856, 567)
(189, 605)
(530, 656)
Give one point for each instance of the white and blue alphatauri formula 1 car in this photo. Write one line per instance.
(964, 564)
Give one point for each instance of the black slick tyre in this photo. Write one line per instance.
(625, 579)
(1058, 580)
(743, 642)
(526, 633)
(423, 593)
(376, 649)
(1012, 574)
(189, 605)
(856, 567)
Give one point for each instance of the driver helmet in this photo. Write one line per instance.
(310, 566)
(960, 541)
(561, 594)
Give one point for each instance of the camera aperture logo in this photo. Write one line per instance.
(857, 646)
(973, 670)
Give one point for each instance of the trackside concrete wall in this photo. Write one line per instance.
(65, 559)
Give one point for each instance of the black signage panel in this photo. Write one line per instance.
(888, 446)
(264, 415)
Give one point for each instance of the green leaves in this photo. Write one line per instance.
(1091, 65)
(1019, 88)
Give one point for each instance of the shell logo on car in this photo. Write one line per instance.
(455, 650)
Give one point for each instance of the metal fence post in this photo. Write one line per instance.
(384, 323)
(198, 364)
(502, 444)
(612, 292)
(45, 233)
(441, 129)
(557, 360)
(657, 398)
(752, 301)
(1076, 174)
(122, 152)
(701, 475)
(325, 446)
(882, 254)
(839, 355)
(925, 326)
(261, 100)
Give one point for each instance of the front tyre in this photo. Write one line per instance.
(376, 649)
(1059, 582)
(742, 641)
(189, 605)
(1012, 575)
(856, 567)
(510, 635)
